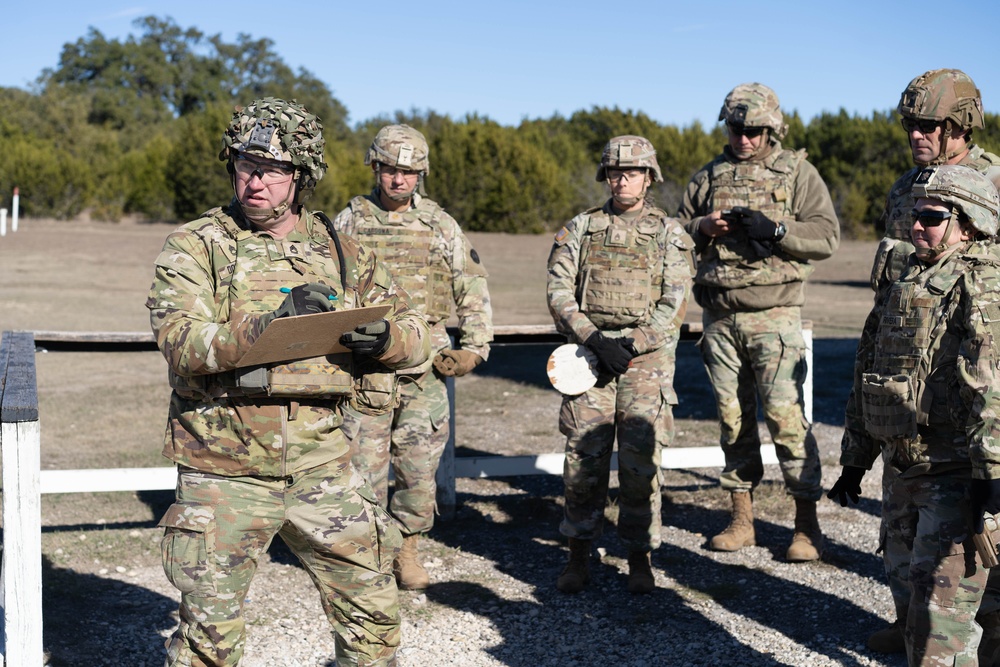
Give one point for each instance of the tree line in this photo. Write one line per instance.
(134, 127)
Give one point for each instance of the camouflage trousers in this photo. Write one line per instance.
(761, 354)
(220, 526)
(947, 602)
(411, 439)
(634, 408)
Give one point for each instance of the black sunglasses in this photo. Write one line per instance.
(924, 126)
(749, 132)
(928, 218)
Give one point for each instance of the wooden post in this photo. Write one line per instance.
(20, 444)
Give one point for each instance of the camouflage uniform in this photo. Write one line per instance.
(259, 458)
(925, 399)
(752, 340)
(434, 262)
(939, 95)
(625, 276)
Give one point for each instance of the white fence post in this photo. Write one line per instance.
(20, 446)
(13, 211)
(3, 222)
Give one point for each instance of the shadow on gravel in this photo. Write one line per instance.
(81, 611)
(602, 624)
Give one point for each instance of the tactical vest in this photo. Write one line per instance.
(767, 185)
(409, 242)
(913, 378)
(621, 268)
(250, 271)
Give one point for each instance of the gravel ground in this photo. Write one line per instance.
(492, 600)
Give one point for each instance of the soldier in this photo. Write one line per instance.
(925, 397)
(260, 450)
(939, 111)
(434, 262)
(619, 280)
(759, 215)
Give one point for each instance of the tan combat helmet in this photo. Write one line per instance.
(629, 152)
(754, 105)
(400, 146)
(972, 193)
(943, 95)
(278, 130)
(946, 96)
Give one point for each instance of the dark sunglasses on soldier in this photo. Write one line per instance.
(921, 125)
(748, 132)
(928, 218)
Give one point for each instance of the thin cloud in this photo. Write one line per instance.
(126, 13)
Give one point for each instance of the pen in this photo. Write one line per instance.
(288, 290)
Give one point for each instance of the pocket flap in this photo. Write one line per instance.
(188, 516)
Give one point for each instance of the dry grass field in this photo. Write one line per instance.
(108, 409)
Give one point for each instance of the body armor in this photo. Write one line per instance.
(912, 393)
(250, 271)
(410, 244)
(621, 269)
(767, 185)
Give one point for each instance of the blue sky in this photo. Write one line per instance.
(675, 61)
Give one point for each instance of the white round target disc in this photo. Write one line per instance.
(572, 369)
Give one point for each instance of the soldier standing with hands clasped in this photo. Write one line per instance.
(759, 215)
(619, 280)
(436, 264)
(260, 451)
(926, 397)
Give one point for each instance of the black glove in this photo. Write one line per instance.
(301, 300)
(985, 500)
(371, 339)
(613, 354)
(760, 227)
(848, 486)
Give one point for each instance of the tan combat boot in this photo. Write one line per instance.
(739, 533)
(889, 640)
(410, 574)
(576, 574)
(807, 542)
(640, 574)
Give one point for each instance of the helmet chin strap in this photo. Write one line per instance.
(943, 156)
(928, 255)
(628, 201)
(262, 215)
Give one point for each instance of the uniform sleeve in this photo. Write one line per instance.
(471, 294)
(694, 206)
(979, 379)
(678, 271)
(814, 233)
(563, 270)
(410, 337)
(857, 448)
(191, 331)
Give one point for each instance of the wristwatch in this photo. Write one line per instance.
(780, 231)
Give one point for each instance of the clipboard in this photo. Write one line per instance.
(305, 336)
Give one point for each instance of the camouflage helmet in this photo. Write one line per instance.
(943, 94)
(964, 188)
(754, 105)
(278, 130)
(400, 146)
(629, 152)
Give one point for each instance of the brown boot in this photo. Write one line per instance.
(888, 640)
(807, 542)
(739, 533)
(410, 574)
(640, 574)
(576, 574)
